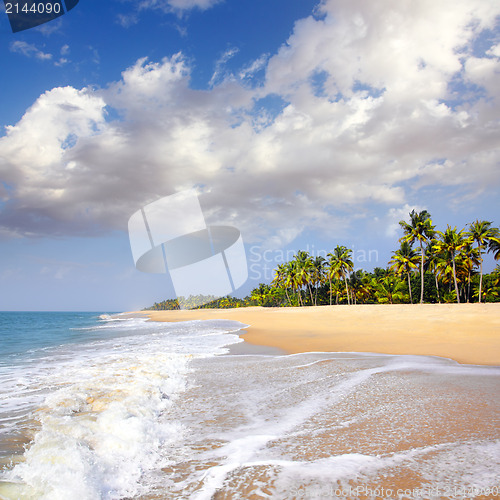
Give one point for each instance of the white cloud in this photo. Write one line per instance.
(33, 160)
(191, 4)
(408, 48)
(484, 72)
(48, 29)
(220, 74)
(61, 62)
(29, 50)
(255, 66)
(178, 5)
(394, 215)
(127, 20)
(381, 127)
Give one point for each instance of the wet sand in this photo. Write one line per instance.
(327, 425)
(467, 333)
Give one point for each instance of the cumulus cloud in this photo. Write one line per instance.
(42, 195)
(377, 100)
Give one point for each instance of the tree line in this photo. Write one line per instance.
(429, 266)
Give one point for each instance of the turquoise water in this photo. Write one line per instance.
(22, 334)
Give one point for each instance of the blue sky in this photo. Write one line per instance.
(304, 124)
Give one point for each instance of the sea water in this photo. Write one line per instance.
(86, 399)
(109, 407)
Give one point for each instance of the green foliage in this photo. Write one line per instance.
(165, 305)
(198, 302)
(491, 287)
(268, 296)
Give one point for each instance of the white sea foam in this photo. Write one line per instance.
(102, 408)
(107, 417)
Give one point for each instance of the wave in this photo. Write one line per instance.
(97, 414)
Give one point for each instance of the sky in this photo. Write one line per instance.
(304, 124)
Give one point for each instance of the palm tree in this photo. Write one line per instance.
(494, 243)
(452, 241)
(341, 264)
(420, 229)
(494, 246)
(293, 279)
(492, 288)
(305, 270)
(318, 275)
(435, 261)
(481, 232)
(404, 261)
(331, 273)
(360, 286)
(388, 289)
(469, 257)
(282, 280)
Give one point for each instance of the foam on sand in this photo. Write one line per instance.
(270, 426)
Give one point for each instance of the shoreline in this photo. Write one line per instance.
(466, 333)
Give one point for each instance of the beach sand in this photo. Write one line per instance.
(467, 333)
(350, 426)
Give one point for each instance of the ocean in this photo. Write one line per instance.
(100, 406)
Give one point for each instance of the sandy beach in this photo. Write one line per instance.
(155, 410)
(467, 333)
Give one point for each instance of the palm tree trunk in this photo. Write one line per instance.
(409, 288)
(299, 297)
(287, 296)
(330, 280)
(455, 279)
(347, 291)
(421, 273)
(480, 277)
(310, 293)
(437, 288)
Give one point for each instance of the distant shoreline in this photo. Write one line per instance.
(466, 333)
